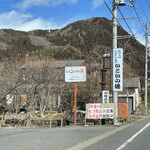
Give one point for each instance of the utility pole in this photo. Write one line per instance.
(146, 62)
(115, 4)
(115, 94)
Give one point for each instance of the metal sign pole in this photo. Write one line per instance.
(75, 103)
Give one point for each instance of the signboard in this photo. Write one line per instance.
(75, 74)
(105, 96)
(100, 111)
(118, 70)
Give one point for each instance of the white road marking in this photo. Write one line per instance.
(91, 141)
(131, 139)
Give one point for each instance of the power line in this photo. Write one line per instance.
(136, 22)
(125, 21)
(148, 3)
(113, 16)
(121, 15)
(120, 24)
(142, 9)
(116, 18)
(111, 11)
(131, 13)
(139, 19)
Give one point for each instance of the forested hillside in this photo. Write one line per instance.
(84, 39)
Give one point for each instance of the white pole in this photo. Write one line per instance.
(115, 94)
(50, 123)
(61, 122)
(146, 45)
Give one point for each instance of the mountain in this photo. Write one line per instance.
(85, 39)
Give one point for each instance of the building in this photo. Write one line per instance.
(131, 93)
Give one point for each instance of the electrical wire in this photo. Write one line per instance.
(134, 22)
(133, 34)
(142, 9)
(125, 21)
(117, 19)
(112, 15)
(139, 19)
(148, 3)
(111, 12)
(119, 23)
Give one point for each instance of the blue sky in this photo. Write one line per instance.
(28, 15)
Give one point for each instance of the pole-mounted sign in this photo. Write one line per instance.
(105, 96)
(118, 69)
(75, 74)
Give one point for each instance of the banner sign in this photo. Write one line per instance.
(75, 74)
(118, 70)
(100, 111)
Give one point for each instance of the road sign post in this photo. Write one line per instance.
(75, 103)
(75, 74)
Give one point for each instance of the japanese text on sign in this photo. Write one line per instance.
(99, 111)
(118, 69)
(105, 96)
(75, 74)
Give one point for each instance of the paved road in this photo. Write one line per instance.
(129, 138)
(77, 138)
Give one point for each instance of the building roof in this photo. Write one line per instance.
(132, 83)
(55, 64)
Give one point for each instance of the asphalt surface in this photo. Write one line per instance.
(114, 141)
(47, 139)
(75, 138)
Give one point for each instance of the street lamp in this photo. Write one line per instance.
(120, 2)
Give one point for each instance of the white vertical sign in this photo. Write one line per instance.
(118, 69)
(105, 96)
